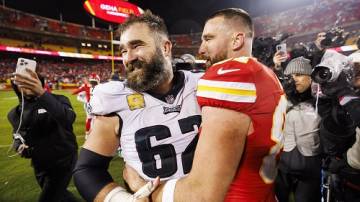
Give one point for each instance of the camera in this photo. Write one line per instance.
(187, 62)
(334, 37)
(330, 67)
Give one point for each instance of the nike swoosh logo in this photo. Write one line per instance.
(224, 71)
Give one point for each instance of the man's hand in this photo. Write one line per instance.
(138, 185)
(147, 189)
(278, 58)
(133, 179)
(31, 83)
(24, 151)
(337, 164)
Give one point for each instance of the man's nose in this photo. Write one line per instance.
(202, 49)
(129, 56)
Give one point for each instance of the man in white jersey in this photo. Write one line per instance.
(153, 115)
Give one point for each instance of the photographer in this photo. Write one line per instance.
(340, 117)
(300, 162)
(317, 45)
(42, 126)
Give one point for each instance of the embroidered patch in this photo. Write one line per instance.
(135, 101)
(168, 110)
(41, 111)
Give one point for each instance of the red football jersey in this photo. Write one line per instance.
(84, 87)
(247, 86)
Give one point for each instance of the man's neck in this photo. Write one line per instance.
(165, 86)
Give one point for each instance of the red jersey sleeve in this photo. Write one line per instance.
(229, 84)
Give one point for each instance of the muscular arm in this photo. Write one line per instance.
(216, 159)
(92, 179)
(104, 138)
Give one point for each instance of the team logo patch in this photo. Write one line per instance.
(41, 111)
(168, 110)
(135, 101)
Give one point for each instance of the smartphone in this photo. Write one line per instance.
(281, 47)
(24, 63)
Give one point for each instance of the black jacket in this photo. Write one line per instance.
(47, 128)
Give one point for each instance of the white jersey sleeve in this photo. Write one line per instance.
(106, 98)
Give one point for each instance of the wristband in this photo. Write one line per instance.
(118, 194)
(169, 189)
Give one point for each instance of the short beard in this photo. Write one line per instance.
(220, 57)
(152, 73)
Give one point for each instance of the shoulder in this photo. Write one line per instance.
(107, 97)
(61, 98)
(109, 88)
(230, 80)
(191, 79)
(236, 69)
(192, 75)
(57, 96)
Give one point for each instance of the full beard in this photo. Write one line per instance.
(145, 76)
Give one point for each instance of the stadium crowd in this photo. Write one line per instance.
(23, 20)
(62, 72)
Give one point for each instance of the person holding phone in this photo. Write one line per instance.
(43, 132)
(280, 56)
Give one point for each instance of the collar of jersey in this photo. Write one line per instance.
(179, 80)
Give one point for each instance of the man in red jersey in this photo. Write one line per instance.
(84, 93)
(243, 109)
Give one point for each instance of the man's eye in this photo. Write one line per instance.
(137, 46)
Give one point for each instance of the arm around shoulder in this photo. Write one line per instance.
(221, 142)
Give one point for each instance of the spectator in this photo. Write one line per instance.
(316, 46)
(300, 163)
(84, 94)
(42, 127)
(340, 118)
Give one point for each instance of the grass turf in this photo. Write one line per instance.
(17, 180)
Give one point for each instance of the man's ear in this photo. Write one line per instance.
(167, 46)
(238, 40)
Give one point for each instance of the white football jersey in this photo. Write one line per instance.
(157, 138)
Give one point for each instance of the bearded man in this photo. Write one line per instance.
(153, 115)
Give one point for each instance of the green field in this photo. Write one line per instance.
(17, 181)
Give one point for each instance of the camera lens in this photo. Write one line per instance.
(321, 74)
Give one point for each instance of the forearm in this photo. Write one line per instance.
(194, 192)
(90, 174)
(221, 143)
